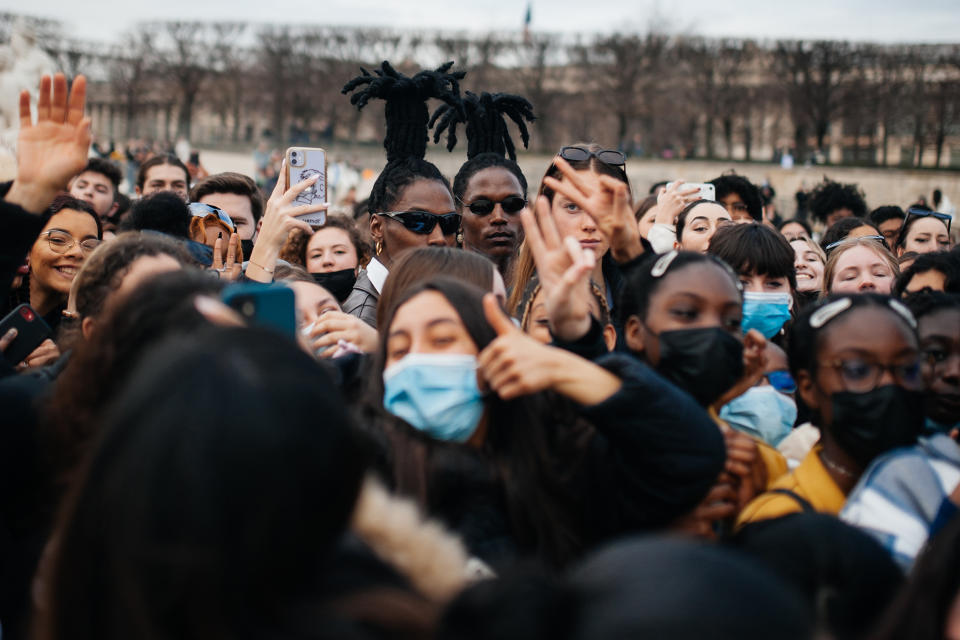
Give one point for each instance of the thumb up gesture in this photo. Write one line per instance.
(514, 364)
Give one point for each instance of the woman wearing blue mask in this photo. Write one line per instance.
(526, 449)
(865, 391)
(764, 261)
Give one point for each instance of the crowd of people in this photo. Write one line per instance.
(504, 409)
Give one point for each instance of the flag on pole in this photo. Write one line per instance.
(526, 22)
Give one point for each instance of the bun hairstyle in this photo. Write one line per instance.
(488, 138)
(406, 119)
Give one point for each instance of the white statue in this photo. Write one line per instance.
(22, 63)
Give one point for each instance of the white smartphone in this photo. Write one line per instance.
(304, 163)
(707, 190)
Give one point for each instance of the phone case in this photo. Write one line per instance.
(304, 163)
(31, 331)
(707, 190)
(265, 305)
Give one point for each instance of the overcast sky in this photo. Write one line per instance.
(872, 20)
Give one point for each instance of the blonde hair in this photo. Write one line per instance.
(846, 245)
(813, 246)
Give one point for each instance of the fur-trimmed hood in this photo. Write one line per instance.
(434, 560)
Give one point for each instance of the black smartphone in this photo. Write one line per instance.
(265, 305)
(31, 331)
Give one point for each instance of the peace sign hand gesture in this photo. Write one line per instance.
(564, 269)
(607, 201)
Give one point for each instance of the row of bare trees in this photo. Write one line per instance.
(649, 93)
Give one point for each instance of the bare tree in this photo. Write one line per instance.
(625, 69)
(229, 66)
(186, 61)
(129, 73)
(814, 75)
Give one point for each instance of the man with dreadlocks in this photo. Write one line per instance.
(490, 190)
(410, 204)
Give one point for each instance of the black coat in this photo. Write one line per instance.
(635, 462)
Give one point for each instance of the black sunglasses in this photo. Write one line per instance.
(606, 156)
(423, 222)
(922, 213)
(485, 206)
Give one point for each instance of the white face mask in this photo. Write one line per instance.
(762, 412)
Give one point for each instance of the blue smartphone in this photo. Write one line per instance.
(264, 305)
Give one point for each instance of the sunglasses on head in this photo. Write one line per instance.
(202, 210)
(485, 206)
(423, 222)
(921, 213)
(581, 154)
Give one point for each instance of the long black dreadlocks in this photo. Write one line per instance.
(486, 127)
(406, 118)
(488, 139)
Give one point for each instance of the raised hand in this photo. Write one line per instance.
(279, 219)
(231, 269)
(54, 149)
(334, 326)
(607, 201)
(670, 202)
(515, 365)
(563, 268)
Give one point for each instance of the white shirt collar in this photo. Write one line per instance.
(377, 273)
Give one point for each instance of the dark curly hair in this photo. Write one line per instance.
(294, 250)
(946, 262)
(830, 196)
(732, 183)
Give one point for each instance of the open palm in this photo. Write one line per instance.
(55, 148)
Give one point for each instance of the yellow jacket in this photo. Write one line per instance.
(809, 480)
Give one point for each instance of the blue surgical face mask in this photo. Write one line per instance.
(762, 412)
(435, 393)
(765, 312)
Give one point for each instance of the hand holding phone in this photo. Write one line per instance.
(31, 331)
(302, 164)
(705, 190)
(280, 217)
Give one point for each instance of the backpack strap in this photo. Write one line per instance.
(805, 505)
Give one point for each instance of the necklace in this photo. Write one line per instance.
(839, 468)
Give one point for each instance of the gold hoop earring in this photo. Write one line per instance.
(378, 247)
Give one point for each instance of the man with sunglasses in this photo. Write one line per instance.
(490, 210)
(423, 215)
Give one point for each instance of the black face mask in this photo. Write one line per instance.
(703, 362)
(807, 298)
(870, 423)
(339, 283)
(247, 247)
